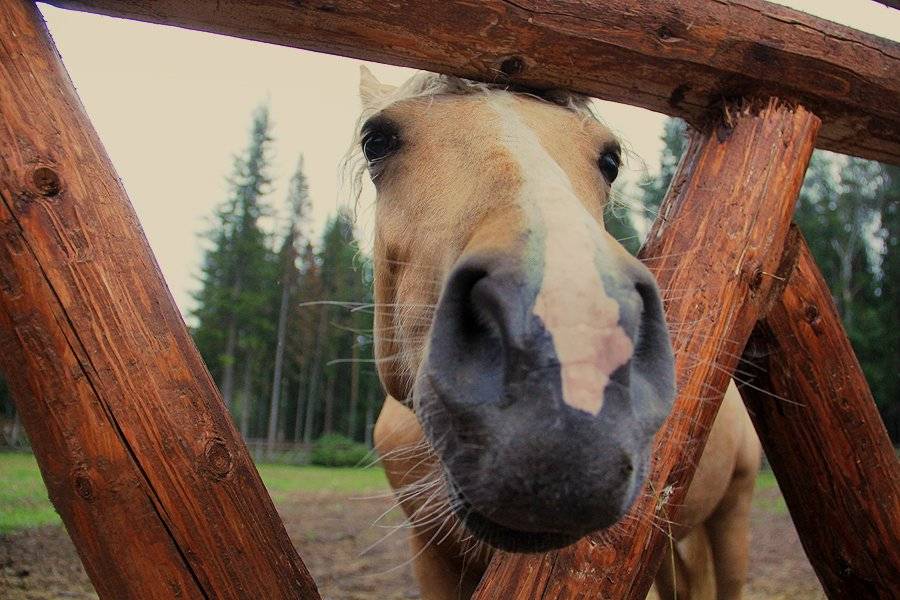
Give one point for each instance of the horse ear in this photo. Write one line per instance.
(370, 89)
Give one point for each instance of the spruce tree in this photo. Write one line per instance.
(234, 311)
(299, 204)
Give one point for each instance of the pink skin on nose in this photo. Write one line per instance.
(574, 307)
(572, 301)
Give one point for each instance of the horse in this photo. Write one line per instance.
(524, 353)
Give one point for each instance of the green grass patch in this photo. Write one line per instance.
(23, 497)
(24, 502)
(765, 496)
(283, 480)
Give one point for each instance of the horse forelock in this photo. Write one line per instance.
(425, 85)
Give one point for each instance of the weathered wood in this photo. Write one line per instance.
(720, 235)
(677, 57)
(825, 440)
(138, 453)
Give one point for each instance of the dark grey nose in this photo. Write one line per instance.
(527, 470)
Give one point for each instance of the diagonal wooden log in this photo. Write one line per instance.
(677, 57)
(825, 440)
(719, 237)
(134, 443)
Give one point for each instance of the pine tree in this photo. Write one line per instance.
(887, 383)
(298, 201)
(233, 314)
(674, 139)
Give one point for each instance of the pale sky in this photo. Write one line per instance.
(173, 107)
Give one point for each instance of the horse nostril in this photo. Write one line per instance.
(471, 319)
(467, 327)
(651, 317)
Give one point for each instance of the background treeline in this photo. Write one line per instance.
(284, 321)
(849, 213)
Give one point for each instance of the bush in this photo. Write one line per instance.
(333, 450)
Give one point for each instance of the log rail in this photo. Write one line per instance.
(678, 57)
(139, 456)
(134, 442)
(827, 429)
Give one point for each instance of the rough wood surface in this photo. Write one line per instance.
(714, 249)
(825, 440)
(674, 57)
(138, 453)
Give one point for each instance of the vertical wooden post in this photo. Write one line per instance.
(825, 440)
(139, 456)
(720, 234)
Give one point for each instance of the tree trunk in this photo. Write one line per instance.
(370, 416)
(274, 404)
(329, 401)
(314, 375)
(15, 432)
(246, 393)
(354, 389)
(228, 368)
(298, 415)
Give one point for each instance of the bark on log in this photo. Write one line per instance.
(825, 440)
(675, 57)
(138, 453)
(720, 233)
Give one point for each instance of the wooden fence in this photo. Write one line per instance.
(152, 481)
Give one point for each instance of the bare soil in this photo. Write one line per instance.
(333, 532)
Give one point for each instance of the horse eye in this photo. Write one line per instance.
(378, 144)
(609, 165)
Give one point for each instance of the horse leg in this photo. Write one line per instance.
(729, 525)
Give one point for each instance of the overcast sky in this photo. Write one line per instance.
(173, 107)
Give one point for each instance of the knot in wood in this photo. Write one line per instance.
(512, 65)
(218, 459)
(756, 279)
(811, 313)
(83, 486)
(46, 181)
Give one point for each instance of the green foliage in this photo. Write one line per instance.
(653, 189)
(281, 320)
(618, 224)
(334, 450)
(236, 303)
(847, 211)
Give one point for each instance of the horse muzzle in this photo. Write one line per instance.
(528, 469)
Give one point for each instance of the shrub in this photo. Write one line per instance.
(334, 450)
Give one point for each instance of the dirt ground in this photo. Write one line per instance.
(331, 532)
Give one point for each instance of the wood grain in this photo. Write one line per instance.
(718, 240)
(678, 57)
(825, 440)
(138, 453)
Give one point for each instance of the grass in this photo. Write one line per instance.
(283, 480)
(24, 503)
(769, 502)
(23, 497)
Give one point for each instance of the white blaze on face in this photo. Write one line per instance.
(572, 301)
